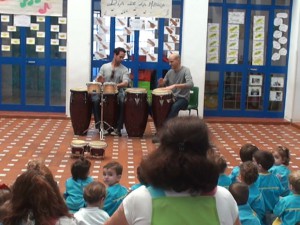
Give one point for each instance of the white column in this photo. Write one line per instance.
(193, 54)
(292, 106)
(78, 46)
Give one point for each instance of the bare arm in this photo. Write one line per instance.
(237, 221)
(118, 218)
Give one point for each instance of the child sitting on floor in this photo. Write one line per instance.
(287, 209)
(249, 175)
(246, 154)
(223, 180)
(112, 173)
(74, 185)
(94, 195)
(280, 168)
(240, 193)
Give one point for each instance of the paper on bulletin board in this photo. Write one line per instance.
(137, 24)
(5, 48)
(4, 34)
(30, 41)
(100, 55)
(276, 96)
(40, 48)
(151, 24)
(137, 8)
(5, 18)
(36, 7)
(40, 34)
(236, 17)
(11, 28)
(151, 57)
(22, 20)
(62, 49)
(15, 41)
(54, 42)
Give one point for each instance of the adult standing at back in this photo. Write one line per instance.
(182, 182)
(117, 73)
(179, 80)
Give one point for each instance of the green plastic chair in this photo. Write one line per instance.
(193, 103)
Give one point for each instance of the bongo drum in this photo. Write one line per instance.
(93, 87)
(110, 88)
(162, 101)
(110, 109)
(97, 149)
(80, 110)
(135, 111)
(78, 147)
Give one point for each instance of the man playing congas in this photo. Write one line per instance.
(179, 80)
(117, 73)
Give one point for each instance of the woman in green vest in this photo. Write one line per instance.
(182, 182)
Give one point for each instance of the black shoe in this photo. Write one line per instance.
(155, 139)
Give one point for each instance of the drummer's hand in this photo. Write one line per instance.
(100, 79)
(171, 87)
(160, 81)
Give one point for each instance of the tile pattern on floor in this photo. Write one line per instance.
(22, 139)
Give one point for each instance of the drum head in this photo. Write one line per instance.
(136, 90)
(98, 144)
(161, 91)
(78, 143)
(80, 89)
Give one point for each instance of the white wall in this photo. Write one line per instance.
(193, 54)
(292, 106)
(78, 46)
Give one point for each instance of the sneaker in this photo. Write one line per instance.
(116, 133)
(155, 139)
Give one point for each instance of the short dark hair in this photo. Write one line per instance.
(264, 158)
(118, 50)
(247, 151)
(240, 192)
(80, 169)
(248, 172)
(180, 163)
(94, 192)
(115, 166)
(221, 163)
(284, 153)
(294, 179)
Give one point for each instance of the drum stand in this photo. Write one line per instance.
(101, 118)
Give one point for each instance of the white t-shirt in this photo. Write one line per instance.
(138, 206)
(91, 216)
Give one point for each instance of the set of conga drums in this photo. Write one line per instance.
(136, 107)
(94, 149)
(81, 105)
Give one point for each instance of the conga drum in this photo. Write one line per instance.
(97, 149)
(110, 104)
(162, 101)
(78, 147)
(135, 111)
(110, 88)
(80, 110)
(93, 87)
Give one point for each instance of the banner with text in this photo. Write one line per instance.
(137, 8)
(32, 7)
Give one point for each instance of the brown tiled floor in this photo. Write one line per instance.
(48, 136)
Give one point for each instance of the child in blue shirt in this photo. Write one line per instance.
(223, 180)
(249, 175)
(280, 168)
(288, 208)
(112, 173)
(269, 185)
(246, 154)
(240, 193)
(74, 185)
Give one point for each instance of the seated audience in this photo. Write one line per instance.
(240, 192)
(288, 208)
(280, 168)
(246, 154)
(269, 185)
(112, 173)
(94, 195)
(80, 170)
(36, 199)
(223, 180)
(249, 175)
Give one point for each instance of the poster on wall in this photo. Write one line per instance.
(137, 8)
(32, 7)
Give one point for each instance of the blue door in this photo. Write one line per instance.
(247, 56)
(33, 62)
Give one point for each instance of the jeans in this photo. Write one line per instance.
(179, 104)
